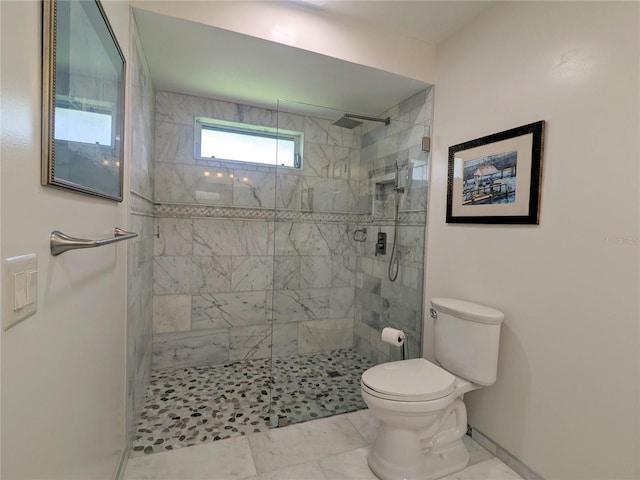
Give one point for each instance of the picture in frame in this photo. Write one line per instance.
(497, 179)
(82, 99)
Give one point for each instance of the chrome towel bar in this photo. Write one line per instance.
(61, 242)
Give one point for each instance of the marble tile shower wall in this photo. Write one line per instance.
(140, 251)
(226, 266)
(378, 301)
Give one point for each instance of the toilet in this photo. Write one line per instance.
(420, 404)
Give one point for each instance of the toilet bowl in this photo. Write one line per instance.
(420, 404)
(421, 421)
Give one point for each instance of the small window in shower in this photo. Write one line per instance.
(241, 142)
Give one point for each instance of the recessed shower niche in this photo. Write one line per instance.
(384, 199)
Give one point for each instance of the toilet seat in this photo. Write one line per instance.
(415, 380)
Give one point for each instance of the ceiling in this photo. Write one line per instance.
(194, 58)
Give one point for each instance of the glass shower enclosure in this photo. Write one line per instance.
(272, 284)
(348, 250)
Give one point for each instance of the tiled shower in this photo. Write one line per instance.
(258, 279)
(255, 261)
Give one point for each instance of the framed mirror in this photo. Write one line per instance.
(83, 99)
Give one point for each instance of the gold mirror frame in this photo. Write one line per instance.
(83, 96)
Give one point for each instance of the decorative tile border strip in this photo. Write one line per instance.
(217, 211)
(418, 217)
(317, 217)
(185, 210)
(411, 217)
(188, 210)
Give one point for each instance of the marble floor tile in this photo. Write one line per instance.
(350, 465)
(226, 460)
(279, 448)
(325, 449)
(365, 423)
(305, 471)
(230, 404)
(492, 469)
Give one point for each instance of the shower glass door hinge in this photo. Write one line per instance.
(426, 144)
(283, 421)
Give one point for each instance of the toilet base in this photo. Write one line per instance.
(413, 454)
(443, 463)
(432, 466)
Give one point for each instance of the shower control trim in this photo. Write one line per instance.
(381, 244)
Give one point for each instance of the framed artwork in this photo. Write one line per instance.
(82, 99)
(496, 179)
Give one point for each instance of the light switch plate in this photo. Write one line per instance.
(15, 269)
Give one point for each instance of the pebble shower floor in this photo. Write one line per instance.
(193, 405)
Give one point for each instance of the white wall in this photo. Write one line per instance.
(566, 402)
(310, 29)
(63, 369)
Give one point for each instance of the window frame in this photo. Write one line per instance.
(249, 130)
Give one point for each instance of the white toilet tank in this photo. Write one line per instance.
(466, 339)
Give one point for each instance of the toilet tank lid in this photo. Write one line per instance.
(467, 310)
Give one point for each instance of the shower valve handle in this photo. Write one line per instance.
(381, 244)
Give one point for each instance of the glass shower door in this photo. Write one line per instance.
(331, 297)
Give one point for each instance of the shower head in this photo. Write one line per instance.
(347, 120)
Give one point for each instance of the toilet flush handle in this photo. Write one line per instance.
(433, 313)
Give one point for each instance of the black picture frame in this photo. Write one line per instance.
(497, 179)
